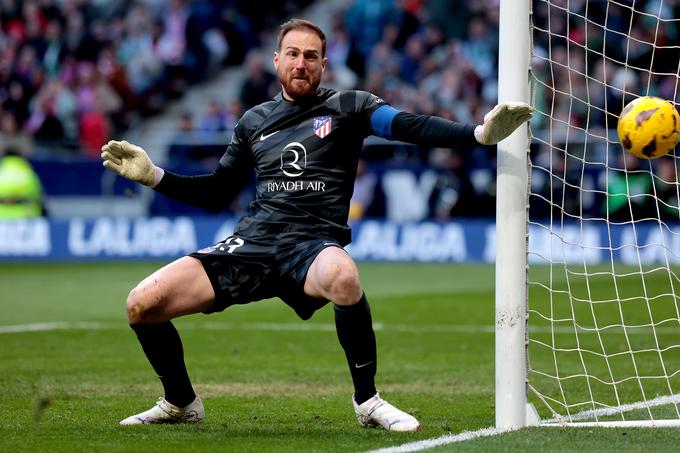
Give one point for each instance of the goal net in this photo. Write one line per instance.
(603, 336)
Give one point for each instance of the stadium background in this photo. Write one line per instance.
(175, 76)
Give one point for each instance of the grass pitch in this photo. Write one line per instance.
(270, 382)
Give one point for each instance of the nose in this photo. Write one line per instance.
(299, 62)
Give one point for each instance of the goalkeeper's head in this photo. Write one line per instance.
(302, 25)
(301, 58)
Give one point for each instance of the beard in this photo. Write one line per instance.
(296, 87)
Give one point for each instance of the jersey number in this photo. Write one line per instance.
(233, 243)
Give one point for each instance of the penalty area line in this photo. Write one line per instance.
(421, 445)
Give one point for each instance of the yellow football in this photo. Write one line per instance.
(649, 127)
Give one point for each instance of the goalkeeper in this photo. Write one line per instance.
(303, 146)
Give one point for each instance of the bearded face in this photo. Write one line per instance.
(299, 64)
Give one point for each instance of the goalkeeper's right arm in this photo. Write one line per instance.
(131, 162)
(211, 191)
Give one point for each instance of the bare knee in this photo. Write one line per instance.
(143, 306)
(341, 282)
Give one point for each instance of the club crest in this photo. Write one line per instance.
(322, 126)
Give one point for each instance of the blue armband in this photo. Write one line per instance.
(381, 121)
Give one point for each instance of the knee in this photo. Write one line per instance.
(342, 284)
(141, 305)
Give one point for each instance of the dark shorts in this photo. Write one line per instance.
(242, 272)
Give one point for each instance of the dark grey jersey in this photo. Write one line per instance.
(304, 155)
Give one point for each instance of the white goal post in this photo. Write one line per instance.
(511, 221)
(587, 236)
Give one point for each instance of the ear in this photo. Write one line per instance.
(324, 62)
(276, 61)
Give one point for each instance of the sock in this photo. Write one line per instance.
(163, 348)
(355, 332)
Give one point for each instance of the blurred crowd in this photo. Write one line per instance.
(424, 56)
(74, 71)
(591, 58)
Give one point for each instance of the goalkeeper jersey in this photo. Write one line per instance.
(304, 155)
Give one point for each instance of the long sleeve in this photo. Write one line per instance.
(211, 191)
(432, 131)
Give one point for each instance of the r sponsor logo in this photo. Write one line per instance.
(293, 159)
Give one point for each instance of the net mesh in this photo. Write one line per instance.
(604, 230)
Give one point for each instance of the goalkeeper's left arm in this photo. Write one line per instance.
(428, 130)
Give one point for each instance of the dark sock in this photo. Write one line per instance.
(163, 347)
(355, 332)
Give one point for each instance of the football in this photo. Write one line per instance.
(649, 127)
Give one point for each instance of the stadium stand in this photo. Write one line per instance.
(74, 74)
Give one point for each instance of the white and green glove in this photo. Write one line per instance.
(502, 121)
(131, 162)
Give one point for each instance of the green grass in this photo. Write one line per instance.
(616, 312)
(266, 388)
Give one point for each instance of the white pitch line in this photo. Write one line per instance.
(309, 327)
(614, 410)
(59, 325)
(554, 422)
(438, 441)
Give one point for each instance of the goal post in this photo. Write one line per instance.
(587, 235)
(511, 221)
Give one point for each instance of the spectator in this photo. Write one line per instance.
(452, 194)
(411, 63)
(480, 48)
(93, 92)
(94, 132)
(171, 46)
(365, 20)
(629, 191)
(259, 84)
(214, 119)
(96, 102)
(74, 32)
(182, 147)
(55, 51)
(338, 46)
(364, 191)
(21, 194)
(451, 17)
(13, 138)
(233, 113)
(666, 185)
(44, 124)
(238, 31)
(139, 54)
(17, 102)
(56, 100)
(554, 187)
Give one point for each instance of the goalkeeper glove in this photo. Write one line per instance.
(502, 121)
(131, 162)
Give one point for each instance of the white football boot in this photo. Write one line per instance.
(164, 412)
(378, 412)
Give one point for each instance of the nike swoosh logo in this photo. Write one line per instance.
(356, 365)
(265, 137)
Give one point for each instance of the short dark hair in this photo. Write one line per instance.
(302, 24)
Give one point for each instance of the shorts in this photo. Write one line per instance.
(241, 272)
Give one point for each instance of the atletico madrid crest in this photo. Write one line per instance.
(322, 126)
